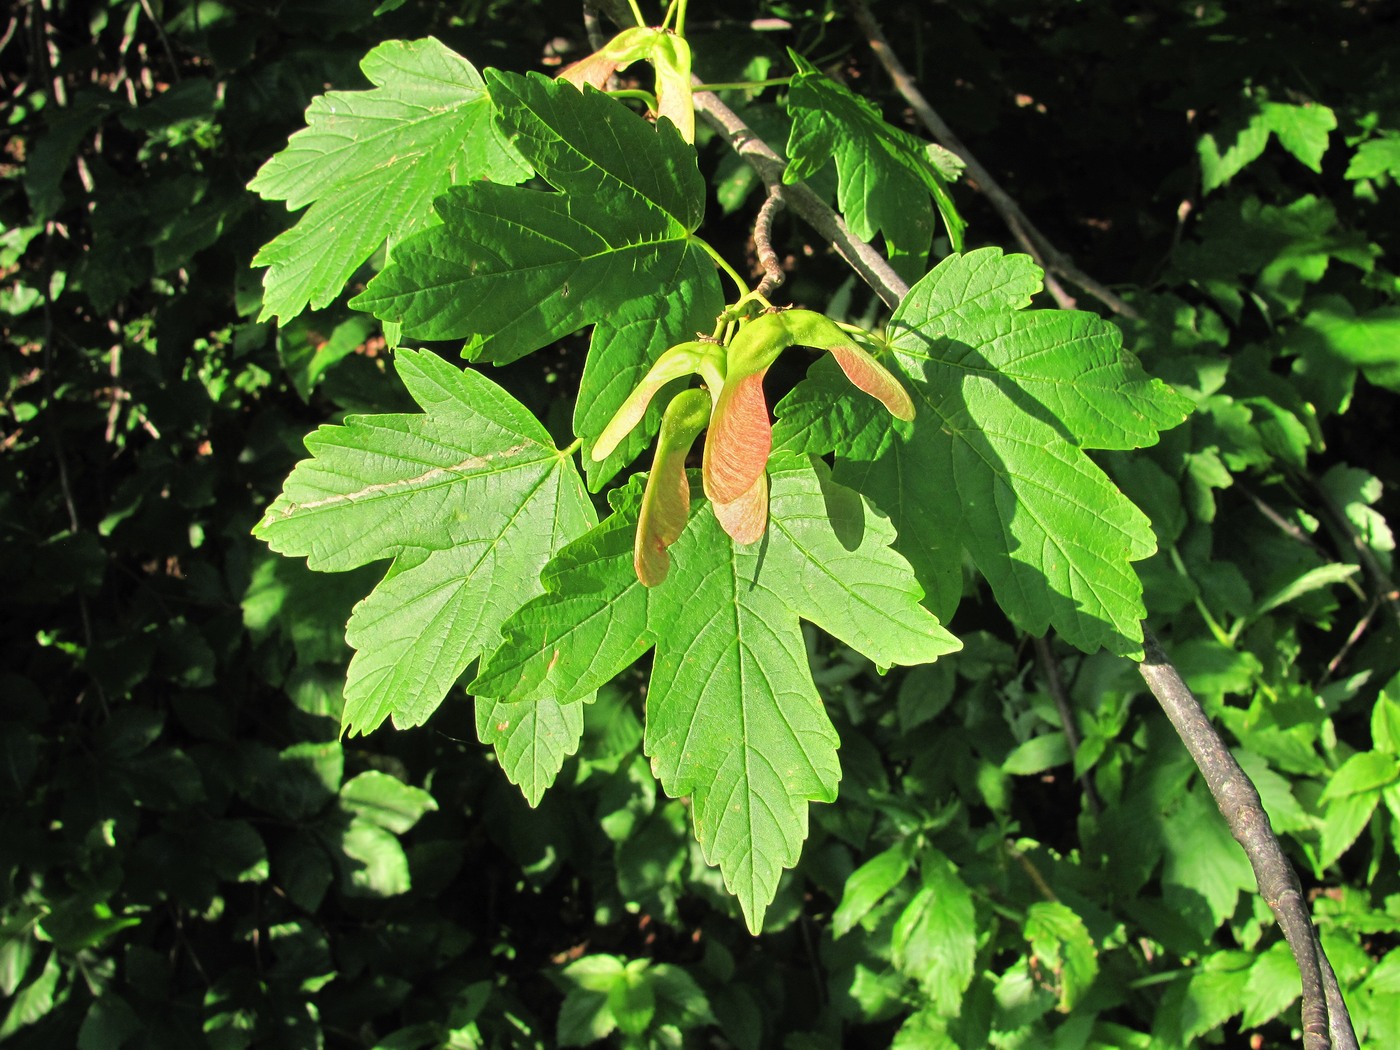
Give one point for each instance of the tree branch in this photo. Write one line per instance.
(1235, 795)
(1035, 243)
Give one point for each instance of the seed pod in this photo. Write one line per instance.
(666, 499)
(681, 360)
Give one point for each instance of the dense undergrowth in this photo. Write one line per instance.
(191, 852)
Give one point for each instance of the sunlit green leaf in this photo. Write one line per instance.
(733, 719)
(385, 801)
(1007, 402)
(1066, 954)
(532, 739)
(471, 498)
(515, 268)
(370, 163)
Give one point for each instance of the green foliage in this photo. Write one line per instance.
(747, 739)
(886, 176)
(394, 486)
(204, 839)
(1015, 397)
(515, 268)
(370, 163)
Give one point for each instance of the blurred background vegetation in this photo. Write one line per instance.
(190, 856)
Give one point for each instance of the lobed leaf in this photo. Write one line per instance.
(1007, 404)
(513, 268)
(369, 163)
(470, 498)
(733, 718)
(887, 177)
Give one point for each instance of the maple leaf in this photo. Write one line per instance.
(1008, 402)
(531, 739)
(888, 181)
(733, 718)
(514, 268)
(370, 163)
(470, 499)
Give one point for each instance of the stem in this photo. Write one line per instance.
(1239, 803)
(1035, 243)
(681, 5)
(1055, 684)
(637, 13)
(720, 262)
(1221, 635)
(1380, 579)
(763, 244)
(640, 94)
(744, 85)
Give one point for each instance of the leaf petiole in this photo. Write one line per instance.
(640, 94)
(719, 261)
(745, 85)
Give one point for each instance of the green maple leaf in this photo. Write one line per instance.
(470, 499)
(733, 718)
(531, 739)
(370, 163)
(1008, 400)
(886, 177)
(515, 268)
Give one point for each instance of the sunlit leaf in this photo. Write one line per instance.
(370, 163)
(470, 498)
(514, 268)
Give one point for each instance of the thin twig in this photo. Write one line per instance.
(1360, 629)
(164, 40)
(1050, 668)
(1035, 243)
(1032, 872)
(1239, 803)
(593, 26)
(773, 275)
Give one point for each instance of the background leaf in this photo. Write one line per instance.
(886, 176)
